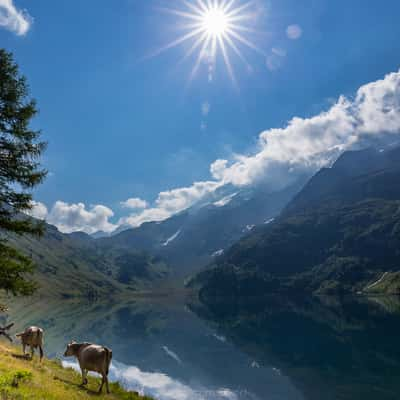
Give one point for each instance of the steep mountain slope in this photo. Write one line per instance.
(340, 233)
(356, 176)
(190, 240)
(72, 265)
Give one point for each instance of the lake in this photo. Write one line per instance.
(275, 349)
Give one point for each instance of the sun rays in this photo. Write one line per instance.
(214, 28)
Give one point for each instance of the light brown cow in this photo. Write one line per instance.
(91, 357)
(32, 337)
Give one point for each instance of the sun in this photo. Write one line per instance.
(215, 27)
(215, 22)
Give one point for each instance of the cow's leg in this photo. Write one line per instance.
(32, 352)
(23, 348)
(84, 376)
(108, 388)
(102, 383)
(41, 353)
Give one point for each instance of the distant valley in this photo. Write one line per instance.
(337, 232)
(154, 255)
(191, 239)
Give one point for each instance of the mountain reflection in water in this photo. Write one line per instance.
(277, 349)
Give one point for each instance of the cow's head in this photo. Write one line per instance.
(71, 349)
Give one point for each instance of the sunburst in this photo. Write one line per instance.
(214, 27)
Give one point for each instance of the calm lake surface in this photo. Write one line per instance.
(275, 349)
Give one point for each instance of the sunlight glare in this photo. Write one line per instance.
(215, 22)
(215, 27)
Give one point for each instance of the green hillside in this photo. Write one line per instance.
(73, 265)
(22, 379)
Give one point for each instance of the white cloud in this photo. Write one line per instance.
(15, 20)
(137, 219)
(171, 202)
(310, 143)
(135, 203)
(39, 210)
(76, 218)
(294, 32)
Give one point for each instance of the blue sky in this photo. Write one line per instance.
(123, 125)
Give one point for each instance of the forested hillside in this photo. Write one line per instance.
(341, 233)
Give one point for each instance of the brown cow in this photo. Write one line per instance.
(91, 357)
(32, 337)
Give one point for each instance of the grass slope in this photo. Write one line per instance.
(74, 266)
(22, 379)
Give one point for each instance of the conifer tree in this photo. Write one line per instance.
(20, 172)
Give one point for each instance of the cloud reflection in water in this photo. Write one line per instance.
(163, 387)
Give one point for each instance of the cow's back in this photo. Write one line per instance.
(95, 358)
(33, 336)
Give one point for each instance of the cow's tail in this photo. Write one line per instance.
(19, 334)
(108, 358)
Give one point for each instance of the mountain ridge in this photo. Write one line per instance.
(340, 233)
(189, 240)
(72, 265)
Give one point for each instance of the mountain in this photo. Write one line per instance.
(190, 240)
(356, 176)
(341, 233)
(144, 258)
(72, 265)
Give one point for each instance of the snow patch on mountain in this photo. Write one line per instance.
(268, 221)
(248, 228)
(172, 238)
(218, 253)
(220, 338)
(225, 200)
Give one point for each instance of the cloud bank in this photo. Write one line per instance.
(75, 217)
(373, 115)
(171, 202)
(14, 20)
(304, 145)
